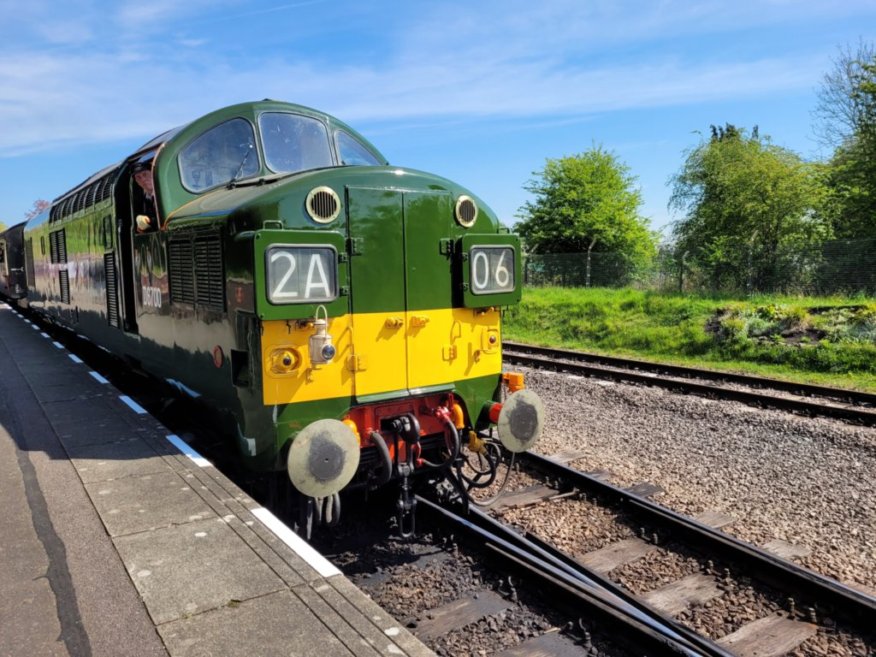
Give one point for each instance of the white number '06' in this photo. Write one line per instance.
(501, 275)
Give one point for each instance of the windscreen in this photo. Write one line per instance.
(294, 143)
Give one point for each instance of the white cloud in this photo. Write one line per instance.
(192, 43)
(541, 61)
(140, 14)
(104, 97)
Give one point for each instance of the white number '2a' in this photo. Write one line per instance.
(316, 277)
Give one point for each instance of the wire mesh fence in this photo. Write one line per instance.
(833, 267)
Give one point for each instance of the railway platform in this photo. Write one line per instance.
(117, 539)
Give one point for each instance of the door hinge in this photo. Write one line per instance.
(445, 246)
(354, 245)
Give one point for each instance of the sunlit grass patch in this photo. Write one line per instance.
(829, 340)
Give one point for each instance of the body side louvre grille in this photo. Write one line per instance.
(58, 246)
(64, 285)
(53, 247)
(180, 264)
(112, 299)
(61, 236)
(105, 188)
(29, 268)
(210, 273)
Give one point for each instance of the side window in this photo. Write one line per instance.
(219, 155)
(354, 153)
(107, 231)
(2, 254)
(294, 143)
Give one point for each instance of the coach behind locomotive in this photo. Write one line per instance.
(321, 298)
(12, 283)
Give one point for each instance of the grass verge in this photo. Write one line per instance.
(823, 340)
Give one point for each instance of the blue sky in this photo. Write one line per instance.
(479, 92)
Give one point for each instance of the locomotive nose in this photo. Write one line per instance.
(520, 421)
(323, 458)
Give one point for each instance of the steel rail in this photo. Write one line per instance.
(593, 579)
(853, 414)
(650, 629)
(802, 389)
(845, 602)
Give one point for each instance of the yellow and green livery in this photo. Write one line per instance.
(343, 313)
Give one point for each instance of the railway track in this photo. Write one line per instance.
(575, 589)
(609, 616)
(456, 592)
(848, 405)
(792, 610)
(687, 570)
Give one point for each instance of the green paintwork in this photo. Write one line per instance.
(399, 248)
(377, 261)
(428, 220)
(476, 393)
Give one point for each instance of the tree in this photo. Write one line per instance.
(39, 206)
(847, 110)
(583, 203)
(844, 107)
(751, 208)
(2, 226)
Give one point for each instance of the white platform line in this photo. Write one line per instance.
(58, 344)
(35, 327)
(186, 449)
(74, 358)
(98, 377)
(44, 334)
(318, 562)
(134, 406)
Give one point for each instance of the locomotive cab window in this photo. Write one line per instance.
(354, 153)
(301, 274)
(224, 153)
(294, 143)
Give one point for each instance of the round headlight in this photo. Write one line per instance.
(466, 211)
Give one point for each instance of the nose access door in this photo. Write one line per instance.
(402, 290)
(433, 332)
(377, 280)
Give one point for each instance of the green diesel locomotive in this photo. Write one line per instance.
(343, 313)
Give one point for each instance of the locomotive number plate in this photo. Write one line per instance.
(301, 274)
(492, 269)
